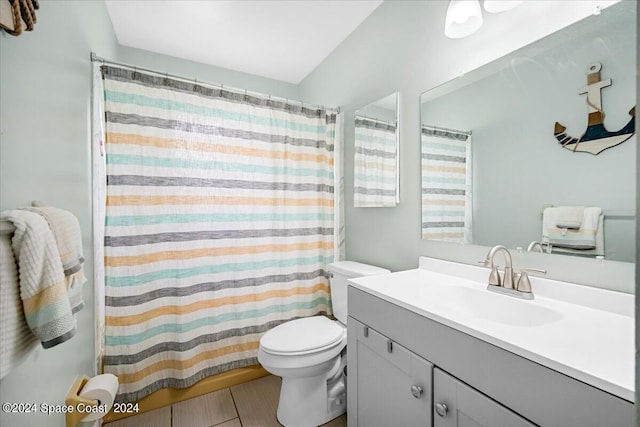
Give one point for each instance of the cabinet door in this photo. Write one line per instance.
(393, 384)
(458, 405)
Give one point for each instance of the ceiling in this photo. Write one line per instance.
(282, 40)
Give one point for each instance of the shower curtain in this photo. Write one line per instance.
(447, 204)
(375, 171)
(219, 226)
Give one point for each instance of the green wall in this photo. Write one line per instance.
(45, 83)
(45, 154)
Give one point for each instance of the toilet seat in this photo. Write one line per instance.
(303, 336)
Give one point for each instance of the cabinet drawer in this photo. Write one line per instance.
(387, 384)
(384, 347)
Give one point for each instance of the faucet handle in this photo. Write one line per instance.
(533, 270)
(485, 263)
(524, 284)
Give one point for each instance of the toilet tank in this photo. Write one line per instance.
(341, 272)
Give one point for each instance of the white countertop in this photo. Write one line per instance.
(586, 333)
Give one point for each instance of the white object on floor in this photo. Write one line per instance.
(309, 355)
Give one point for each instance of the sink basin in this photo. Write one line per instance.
(490, 306)
(503, 308)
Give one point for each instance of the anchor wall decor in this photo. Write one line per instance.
(596, 138)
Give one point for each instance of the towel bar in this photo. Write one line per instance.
(607, 213)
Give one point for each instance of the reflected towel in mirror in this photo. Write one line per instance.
(589, 236)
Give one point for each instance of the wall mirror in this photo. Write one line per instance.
(492, 166)
(376, 172)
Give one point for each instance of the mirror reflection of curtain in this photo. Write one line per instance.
(375, 176)
(446, 185)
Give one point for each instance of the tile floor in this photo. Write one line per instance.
(252, 404)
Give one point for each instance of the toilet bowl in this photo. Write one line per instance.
(310, 355)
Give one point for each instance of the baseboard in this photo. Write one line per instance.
(169, 396)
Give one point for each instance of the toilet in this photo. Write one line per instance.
(310, 355)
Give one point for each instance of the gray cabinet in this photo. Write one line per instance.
(387, 384)
(498, 378)
(458, 405)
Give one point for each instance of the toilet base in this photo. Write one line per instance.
(311, 401)
(313, 389)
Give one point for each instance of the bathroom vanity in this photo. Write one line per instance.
(432, 346)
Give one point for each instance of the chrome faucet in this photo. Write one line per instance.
(535, 245)
(505, 285)
(494, 276)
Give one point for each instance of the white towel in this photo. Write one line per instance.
(66, 232)
(569, 216)
(563, 217)
(43, 289)
(16, 337)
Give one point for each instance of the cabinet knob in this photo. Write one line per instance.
(416, 391)
(441, 409)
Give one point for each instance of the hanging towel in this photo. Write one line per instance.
(555, 228)
(66, 231)
(43, 289)
(16, 337)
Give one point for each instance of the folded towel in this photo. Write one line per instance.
(66, 231)
(43, 288)
(567, 216)
(556, 232)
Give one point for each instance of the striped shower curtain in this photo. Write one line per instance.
(375, 171)
(219, 225)
(446, 185)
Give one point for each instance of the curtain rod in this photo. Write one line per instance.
(96, 58)
(436, 128)
(374, 119)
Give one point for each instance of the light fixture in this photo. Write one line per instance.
(464, 17)
(497, 6)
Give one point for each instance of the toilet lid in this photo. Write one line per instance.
(302, 335)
